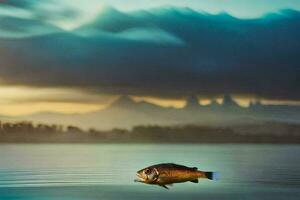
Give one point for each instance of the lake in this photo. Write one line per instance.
(98, 171)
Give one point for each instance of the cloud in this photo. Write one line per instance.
(152, 35)
(138, 53)
(15, 27)
(20, 95)
(57, 12)
(18, 3)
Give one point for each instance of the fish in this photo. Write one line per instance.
(166, 174)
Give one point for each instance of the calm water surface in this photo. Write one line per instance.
(88, 172)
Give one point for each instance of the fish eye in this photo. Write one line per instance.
(147, 171)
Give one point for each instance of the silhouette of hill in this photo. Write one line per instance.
(229, 102)
(192, 102)
(126, 113)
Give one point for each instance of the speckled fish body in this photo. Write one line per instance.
(169, 173)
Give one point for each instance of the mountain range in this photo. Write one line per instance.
(126, 113)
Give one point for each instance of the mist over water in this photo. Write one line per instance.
(107, 171)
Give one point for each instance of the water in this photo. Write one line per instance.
(88, 172)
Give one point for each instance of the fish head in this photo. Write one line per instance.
(147, 175)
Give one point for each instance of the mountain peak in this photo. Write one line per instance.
(228, 101)
(192, 102)
(124, 100)
(255, 104)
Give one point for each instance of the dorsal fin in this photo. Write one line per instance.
(195, 168)
(195, 181)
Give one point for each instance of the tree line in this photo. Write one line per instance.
(269, 132)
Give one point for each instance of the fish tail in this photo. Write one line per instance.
(212, 175)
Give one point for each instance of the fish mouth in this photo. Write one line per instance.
(139, 178)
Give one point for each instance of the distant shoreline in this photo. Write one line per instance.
(259, 133)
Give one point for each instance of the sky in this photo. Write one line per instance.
(77, 56)
(62, 12)
(239, 8)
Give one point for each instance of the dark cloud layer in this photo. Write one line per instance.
(17, 3)
(41, 10)
(165, 52)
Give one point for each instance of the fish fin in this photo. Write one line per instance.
(212, 175)
(156, 171)
(164, 186)
(195, 181)
(195, 168)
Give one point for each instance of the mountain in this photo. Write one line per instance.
(126, 113)
(192, 102)
(126, 102)
(228, 102)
